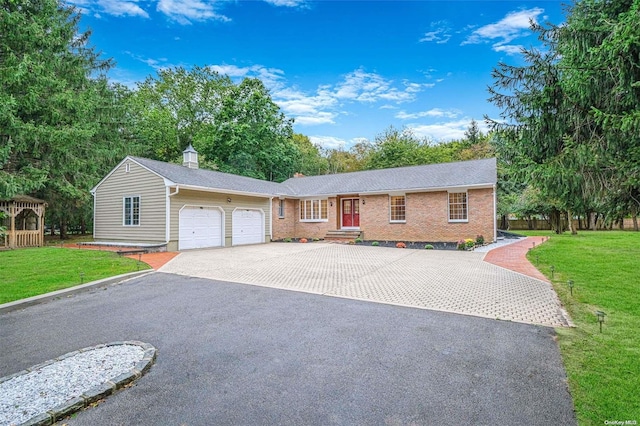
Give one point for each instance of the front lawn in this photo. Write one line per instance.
(603, 368)
(34, 271)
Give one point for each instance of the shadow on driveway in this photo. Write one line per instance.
(239, 354)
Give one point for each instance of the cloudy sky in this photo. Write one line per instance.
(344, 70)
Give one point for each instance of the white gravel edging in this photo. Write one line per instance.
(58, 387)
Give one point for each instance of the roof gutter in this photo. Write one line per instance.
(226, 191)
(399, 191)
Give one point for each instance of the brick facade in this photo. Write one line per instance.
(426, 218)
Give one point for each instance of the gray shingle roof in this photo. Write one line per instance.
(209, 178)
(431, 176)
(413, 178)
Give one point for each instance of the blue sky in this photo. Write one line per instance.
(344, 70)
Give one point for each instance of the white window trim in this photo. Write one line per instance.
(281, 208)
(124, 223)
(302, 203)
(405, 208)
(449, 207)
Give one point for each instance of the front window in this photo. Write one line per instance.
(313, 210)
(397, 208)
(458, 211)
(131, 211)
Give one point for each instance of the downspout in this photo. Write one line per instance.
(170, 194)
(270, 219)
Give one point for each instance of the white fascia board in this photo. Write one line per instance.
(397, 191)
(224, 191)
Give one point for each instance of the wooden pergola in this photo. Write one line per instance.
(24, 222)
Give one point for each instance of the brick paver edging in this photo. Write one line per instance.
(95, 393)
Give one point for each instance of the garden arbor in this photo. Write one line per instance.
(24, 222)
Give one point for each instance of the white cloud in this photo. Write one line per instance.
(434, 112)
(122, 8)
(185, 12)
(286, 3)
(156, 64)
(362, 86)
(110, 7)
(514, 25)
(328, 142)
(445, 131)
(440, 33)
(322, 104)
(509, 49)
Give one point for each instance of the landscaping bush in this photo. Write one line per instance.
(401, 245)
(469, 243)
(358, 240)
(375, 244)
(287, 240)
(480, 240)
(461, 245)
(428, 247)
(303, 240)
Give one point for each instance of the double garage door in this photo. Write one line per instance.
(201, 227)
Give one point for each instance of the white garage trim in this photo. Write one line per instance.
(200, 227)
(247, 226)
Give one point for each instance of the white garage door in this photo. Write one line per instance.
(248, 227)
(199, 227)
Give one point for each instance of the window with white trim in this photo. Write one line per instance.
(313, 210)
(397, 208)
(131, 211)
(458, 209)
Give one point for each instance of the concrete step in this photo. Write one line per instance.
(340, 234)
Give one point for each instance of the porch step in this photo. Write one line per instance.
(343, 235)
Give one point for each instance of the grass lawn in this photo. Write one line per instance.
(33, 271)
(603, 368)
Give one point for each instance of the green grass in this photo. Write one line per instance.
(34, 271)
(603, 368)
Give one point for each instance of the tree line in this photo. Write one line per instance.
(567, 143)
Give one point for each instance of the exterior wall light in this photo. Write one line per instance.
(601, 316)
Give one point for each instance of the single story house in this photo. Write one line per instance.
(184, 207)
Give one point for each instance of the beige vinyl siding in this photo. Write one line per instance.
(215, 199)
(108, 214)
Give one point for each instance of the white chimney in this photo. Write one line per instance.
(190, 157)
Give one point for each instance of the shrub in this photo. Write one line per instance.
(461, 245)
(428, 247)
(375, 244)
(303, 240)
(358, 240)
(479, 240)
(316, 239)
(287, 240)
(469, 243)
(401, 245)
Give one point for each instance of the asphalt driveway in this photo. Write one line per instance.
(239, 354)
(450, 281)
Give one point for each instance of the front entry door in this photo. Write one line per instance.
(350, 213)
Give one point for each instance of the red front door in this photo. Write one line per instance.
(350, 213)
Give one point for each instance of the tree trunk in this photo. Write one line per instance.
(556, 221)
(63, 229)
(592, 221)
(570, 223)
(635, 222)
(83, 227)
